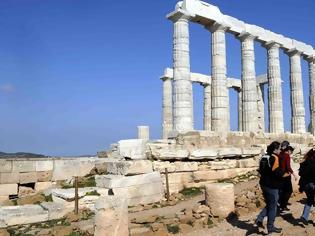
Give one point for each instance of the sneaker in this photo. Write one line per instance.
(259, 224)
(304, 221)
(274, 230)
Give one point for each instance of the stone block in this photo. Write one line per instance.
(211, 154)
(120, 181)
(5, 166)
(218, 193)
(129, 167)
(185, 166)
(222, 164)
(111, 216)
(26, 214)
(44, 165)
(8, 189)
(252, 151)
(23, 166)
(132, 148)
(3, 199)
(220, 174)
(229, 152)
(29, 177)
(248, 163)
(40, 186)
(66, 169)
(170, 154)
(175, 178)
(44, 176)
(9, 178)
(25, 191)
(161, 165)
(55, 210)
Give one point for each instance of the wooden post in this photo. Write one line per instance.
(76, 195)
(167, 186)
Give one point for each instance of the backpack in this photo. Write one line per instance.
(264, 165)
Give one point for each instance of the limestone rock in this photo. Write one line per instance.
(8, 189)
(55, 210)
(161, 165)
(112, 216)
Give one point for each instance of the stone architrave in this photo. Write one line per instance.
(274, 89)
(183, 95)
(167, 107)
(249, 91)
(219, 91)
(297, 100)
(207, 107)
(261, 107)
(311, 64)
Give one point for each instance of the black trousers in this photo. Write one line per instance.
(285, 192)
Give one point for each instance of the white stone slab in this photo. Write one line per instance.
(229, 152)
(44, 165)
(23, 166)
(66, 169)
(55, 210)
(9, 178)
(161, 165)
(40, 186)
(133, 167)
(132, 148)
(204, 154)
(26, 214)
(120, 181)
(5, 166)
(181, 166)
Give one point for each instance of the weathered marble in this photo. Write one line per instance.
(207, 107)
(311, 64)
(143, 132)
(167, 107)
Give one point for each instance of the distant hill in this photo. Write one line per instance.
(20, 155)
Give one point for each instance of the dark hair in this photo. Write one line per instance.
(310, 154)
(289, 148)
(285, 144)
(272, 146)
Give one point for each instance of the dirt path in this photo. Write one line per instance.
(244, 225)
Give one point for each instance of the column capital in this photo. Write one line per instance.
(271, 44)
(217, 27)
(178, 15)
(245, 36)
(310, 59)
(293, 52)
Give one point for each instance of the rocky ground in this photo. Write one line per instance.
(185, 215)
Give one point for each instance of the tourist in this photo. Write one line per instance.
(285, 164)
(307, 183)
(271, 181)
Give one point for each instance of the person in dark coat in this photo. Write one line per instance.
(307, 183)
(270, 183)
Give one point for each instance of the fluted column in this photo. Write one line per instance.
(219, 91)
(274, 89)
(261, 107)
(249, 91)
(207, 107)
(240, 110)
(297, 100)
(167, 107)
(183, 103)
(311, 64)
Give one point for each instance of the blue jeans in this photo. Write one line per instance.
(271, 197)
(310, 193)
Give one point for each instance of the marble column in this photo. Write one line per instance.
(311, 64)
(143, 132)
(219, 90)
(249, 90)
(261, 107)
(182, 90)
(167, 107)
(240, 110)
(274, 89)
(297, 100)
(207, 107)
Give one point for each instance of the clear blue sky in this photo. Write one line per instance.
(77, 75)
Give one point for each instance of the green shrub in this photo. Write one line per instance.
(174, 229)
(191, 192)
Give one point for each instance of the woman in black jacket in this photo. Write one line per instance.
(307, 183)
(271, 180)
